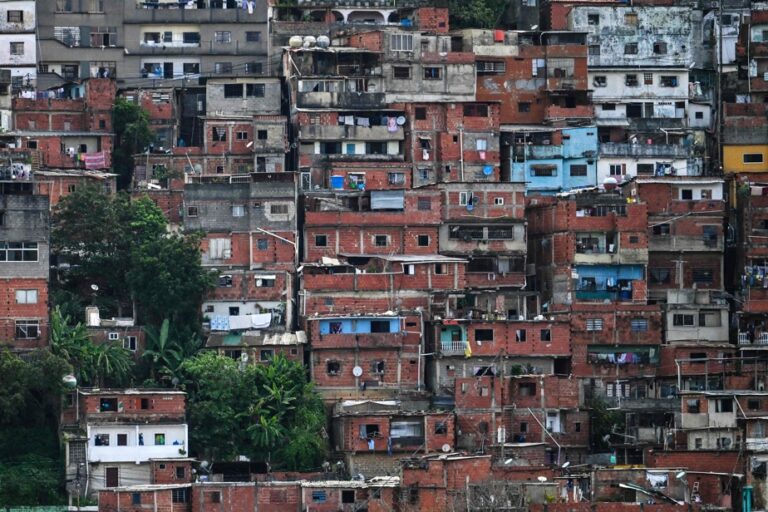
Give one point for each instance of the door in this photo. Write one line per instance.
(112, 477)
(168, 70)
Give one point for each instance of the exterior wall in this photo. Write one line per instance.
(232, 496)
(125, 500)
(217, 103)
(734, 160)
(174, 441)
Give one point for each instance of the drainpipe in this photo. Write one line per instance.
(461, 151)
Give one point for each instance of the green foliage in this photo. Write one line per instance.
(266, 412)
(30, 396)
(123, 246)
(132, 135)
(94, 365)
(162, 352)
(476, 13)
(603, 421)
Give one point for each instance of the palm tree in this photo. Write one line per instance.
(163, 353)
(71, 343)
(111, 363)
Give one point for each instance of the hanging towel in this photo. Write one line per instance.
(363, 121)
(251, 5)
(349, 120)
(424, 154)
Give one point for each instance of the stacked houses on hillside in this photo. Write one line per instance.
(523, 263)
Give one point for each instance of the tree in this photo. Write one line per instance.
(476, 13)
(123, 246)
(132, 135)
(162, 352)
(266, 412)
(93, 364)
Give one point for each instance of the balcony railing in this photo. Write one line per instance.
(453, 347)
(601, 295)
(760, 338)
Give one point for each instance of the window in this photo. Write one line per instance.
(668, 81)
(703, 276)
(401, 72)
(543, 170)
(348, 496)
(441, 269)
(475, 110)
(261, 134)
(692, 406)
(262, 244)
(381, 326)
(15, 16)
(238, 210)
(422, 240)
(225, 281)
(333, 367)
(659, 48)
(253, 68)
(222, 37)
(698, 115)
(215, 497)
(483, 334)
(380, 240)
(527, 389)
(377, 367)
(76, 452)
(498, 201)
(129, 343)
(180, 495)
(252, 36)
(647, 78)
(608, 106)
(520, 335)
(17, 48)
(432, 73)
(192, 211)
(122, 439)
(278, 209)
(222, 68)
(753, 158)
(644, 168)
(420, 113)
(101, 440)
(219, 134)
(490, 67)
(601, 81)
(660, 275)
(682, 320)
(578, 170)
(753, 404)
(593, 19)
(594, 324)
(265, 282)
(233, 90)
(397, 178)
(523, 106)
(26, 296)
(424, 203)
(136, 498)
(594, 51)
(630, 80)
(255, 90)
(630, 19)
(318, 496)
(27, 329)
(630, 49)
(241, 135)
(266, 355)
(401, 42)
(159, 439)
(369, 431)
(191, 68)
(709, 318)
(639, 324)
(546, 335)
(697, 442)
(321, 240)
(617, 169)
(724, 405)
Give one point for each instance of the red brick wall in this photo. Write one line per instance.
(232, 497)
(162, 499)
(159, 404)
(432, 19)
(278, 497)
(10, 311)
(345, 379)
(164, 472)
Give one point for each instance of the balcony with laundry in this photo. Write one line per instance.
(356, 126)
(614, 283)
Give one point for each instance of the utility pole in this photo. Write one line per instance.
(719, 127)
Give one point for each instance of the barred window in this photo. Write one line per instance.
(27, 329)
(18, 251)
(594, 324)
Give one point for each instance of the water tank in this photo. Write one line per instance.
(309, 41)
(323, 42)
(295, 41)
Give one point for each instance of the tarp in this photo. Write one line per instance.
(387, 200)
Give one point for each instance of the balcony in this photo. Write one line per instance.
(685, 243)
(760, 338)
(453, 348)
(645, 150)
(198, 12)
(349, 341)
(603, 295)
(494, 279)
(343, 132)
(133, 453)
(345, 100)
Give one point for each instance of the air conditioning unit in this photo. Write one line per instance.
(113, 336)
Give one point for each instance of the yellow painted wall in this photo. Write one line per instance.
(733, 158)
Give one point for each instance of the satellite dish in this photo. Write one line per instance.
(357, 371)
(175, 381)
(567, 463)
(400, 120)
(446, 448)
(680, 475)
(204, 465)
(198, 168)
(95, 287)
(541, 479)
